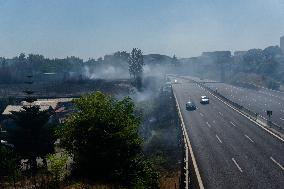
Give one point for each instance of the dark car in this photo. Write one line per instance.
(190, 105)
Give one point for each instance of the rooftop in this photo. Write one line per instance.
(44, 104)
(17, 108)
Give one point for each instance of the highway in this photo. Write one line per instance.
(259, 101)
(230, 150)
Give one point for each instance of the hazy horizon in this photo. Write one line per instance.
(90, 29)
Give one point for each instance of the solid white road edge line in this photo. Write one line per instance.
(240, 169)
(277, 163)
(200, 183)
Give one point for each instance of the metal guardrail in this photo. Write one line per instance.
(184, 179)
(264, 121)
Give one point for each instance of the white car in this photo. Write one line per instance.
(204, 100)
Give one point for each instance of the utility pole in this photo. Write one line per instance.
(269, 113)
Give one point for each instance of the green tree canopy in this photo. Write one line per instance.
(103, 138)
(136, 63)
(102, 135)
(32, 136)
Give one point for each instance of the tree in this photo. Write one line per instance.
(32, 135)
(57, 166)
(8, 163)
(22, 57)
(136, 63)
(175, 61)
(103, 137)
(272, 51)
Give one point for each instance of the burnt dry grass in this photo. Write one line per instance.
(161, 134)
(66, 88)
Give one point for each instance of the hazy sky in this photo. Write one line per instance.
(93, 28)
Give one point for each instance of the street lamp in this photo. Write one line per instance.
(269, 113)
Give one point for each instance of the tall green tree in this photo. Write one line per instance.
(32, 135)
(103, 138)
(136, 63)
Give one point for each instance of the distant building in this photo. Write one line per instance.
(240, 53)
(282, 43)
(216, 54)
(239, 56)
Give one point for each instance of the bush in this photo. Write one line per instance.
(57, 164)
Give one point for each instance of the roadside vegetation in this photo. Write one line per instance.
(108, 142)
(101, 138)
(161, 133)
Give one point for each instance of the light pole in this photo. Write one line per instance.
(269, 113)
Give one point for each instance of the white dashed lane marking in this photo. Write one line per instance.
(277, 163)
(208, 125)
(249, 138)
(235, 162)
(233, 124)
(219, 139)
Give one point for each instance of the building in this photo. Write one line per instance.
(239, 56)
(60, 109)
(43, 104)
(240, 53)
(217, 54)
(282, 43)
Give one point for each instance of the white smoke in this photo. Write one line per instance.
(106, 72)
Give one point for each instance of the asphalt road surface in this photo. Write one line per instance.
(259, 101)
(231, 151)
